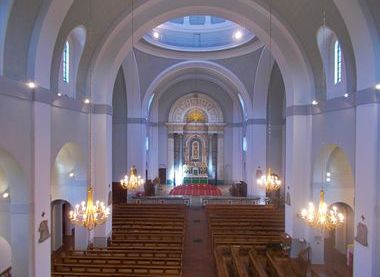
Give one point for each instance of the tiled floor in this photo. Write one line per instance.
(198, 260)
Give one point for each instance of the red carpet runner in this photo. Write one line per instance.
(196, 190)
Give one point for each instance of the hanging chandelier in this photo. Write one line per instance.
(131, 181)
(89, 215)
(270, 181)
(323, 218)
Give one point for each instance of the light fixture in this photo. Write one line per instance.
(377, 86)
(270, 181)
(345, 95)
(328, 177)
(71, 174)
(131, 181)
(323, 218)
(314, 103)
(238, 35)
(89, 215)
(59, 94)
(31, 85)
(5, 195)
(156, 35)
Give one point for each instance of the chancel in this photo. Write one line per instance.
(189, 138)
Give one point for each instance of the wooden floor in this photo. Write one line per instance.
(335, 262)
(198, 260)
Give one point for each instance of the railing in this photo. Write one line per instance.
(230, 200)
(6, 273)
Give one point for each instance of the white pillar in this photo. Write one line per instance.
(237, 154)
(220, 158)
(136, 145)
(81, 238)
(42, 180)
(170, 169)
(102, 170)
(22, 241)
(256, 155)
(366, 187)
(298, 171)
(56, 229)
(317, 244)
(153, 152)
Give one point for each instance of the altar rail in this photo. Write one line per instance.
(226, 200)
(185, 200)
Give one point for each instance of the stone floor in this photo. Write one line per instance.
(198, 260)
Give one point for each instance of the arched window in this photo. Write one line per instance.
(337, 63)
(335, 79)
(69, 63)
(66, 63)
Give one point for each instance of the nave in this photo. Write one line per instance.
(175, 240)
(166, 110)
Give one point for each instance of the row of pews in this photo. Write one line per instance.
(147, 240)
(247, 242)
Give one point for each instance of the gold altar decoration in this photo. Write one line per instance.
(196, 116)
(89, 215)
(131, 181)
(323, 218)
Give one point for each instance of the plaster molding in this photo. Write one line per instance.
(199, 101)
(21, 91)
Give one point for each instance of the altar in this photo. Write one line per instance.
(195, 174)
(195, 141)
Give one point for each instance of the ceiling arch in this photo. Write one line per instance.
(353, 26)
(199, 70)
(297, 73)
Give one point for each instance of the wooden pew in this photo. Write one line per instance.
(258, 264)
(147, 241)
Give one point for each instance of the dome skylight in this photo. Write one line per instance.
(198, 33)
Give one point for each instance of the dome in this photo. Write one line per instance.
(198, 33)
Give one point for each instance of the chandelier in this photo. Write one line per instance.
(271, 181)
(89, 215)
(323, 218)
(131, 182)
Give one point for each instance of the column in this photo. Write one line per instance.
(298, 171)
(81, 238)
(102, 170)
(42, 180)
(220, 158)
(170, 168)
(366, 188)
(180, 160)
(210, 165)
(256, 154)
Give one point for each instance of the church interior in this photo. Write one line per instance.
(194, 138)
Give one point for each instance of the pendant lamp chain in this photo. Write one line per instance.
(270, 181)
(87, 214)
(322, 217)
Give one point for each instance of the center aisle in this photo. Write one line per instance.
(198, 259)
